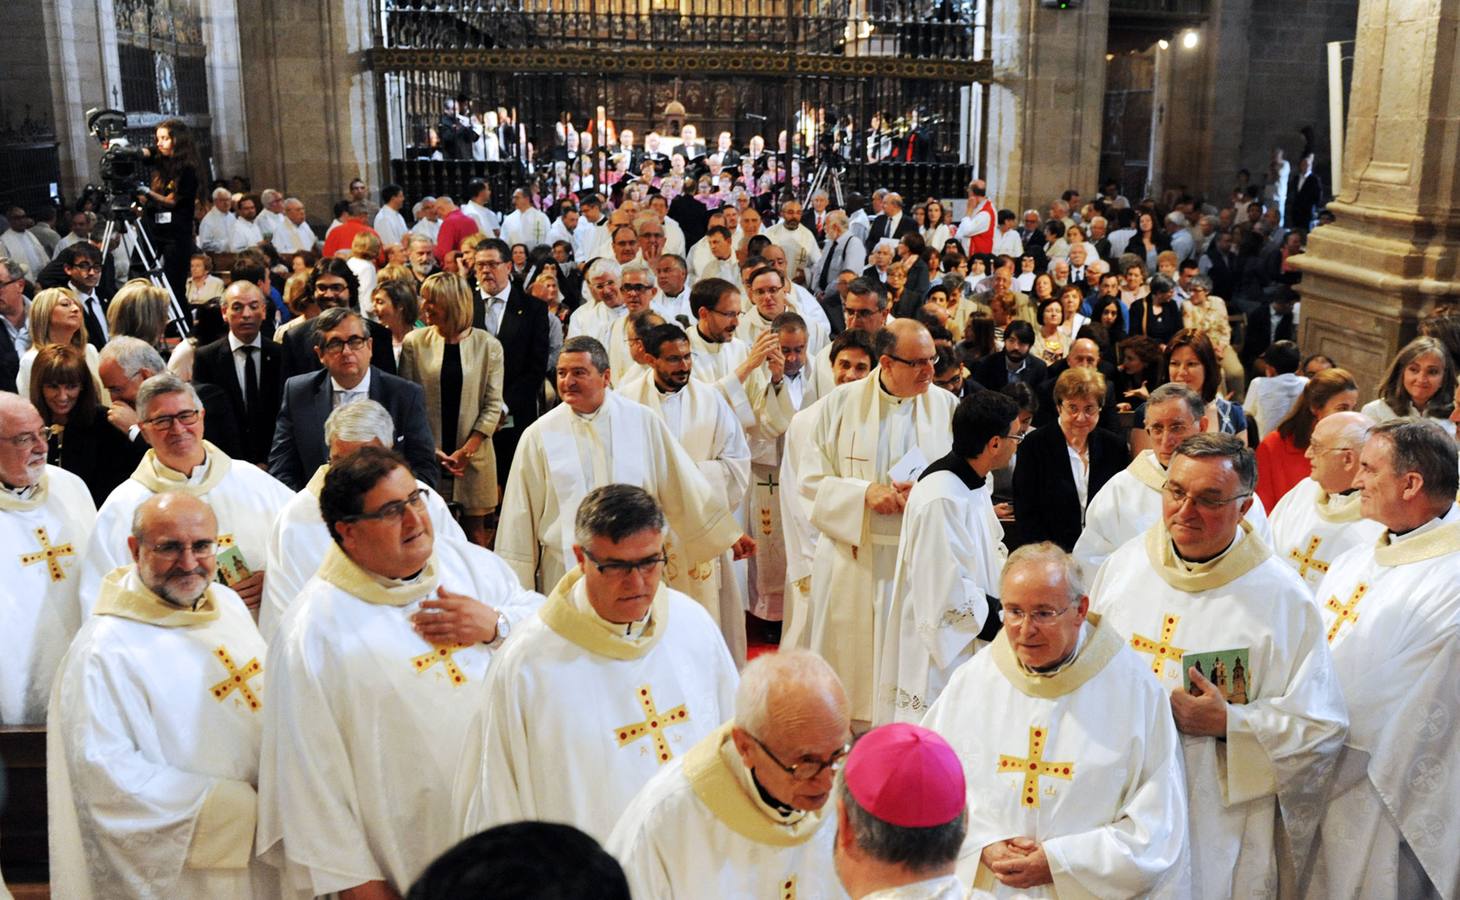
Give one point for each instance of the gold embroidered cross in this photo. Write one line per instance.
(1307, 560)
(1035, 766)
(654, 724)
(442, 655)
(788, 888)
(237, 680)
(51, 555)
(1161, 650)
(1345, 610)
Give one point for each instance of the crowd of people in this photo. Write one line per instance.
(447, 523)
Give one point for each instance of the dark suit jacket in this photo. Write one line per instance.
(1046, 504)
(213, 364)
(914, 291)
(691, 216)
(1302, 201)
(874, 281)
(98, 454)
(523, 334)
(1222, 271)
(299, 358)
(9, 361)
(1047, 414)
(878, 229)
(1260, 334)
(993, 371)
(299, 448)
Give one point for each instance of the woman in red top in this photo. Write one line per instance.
(1282, 460)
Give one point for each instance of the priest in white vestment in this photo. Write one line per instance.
(901, 817)
(606, 305)
(615, 677)
(1391, 613)
(1075, 784)
(595, 437)
(741, 371)
(46, 514)
(768, 300)
(864, 310)
(156, 724)
(1320, 518)
(640, 363)
(869, 442)
(743, 812)
(1233, 634)
(375, 677)
(1130, 502)
(700, 418)
(637, 289)
(299, 540)
(245, 498)
(949, 556)
(795, 240)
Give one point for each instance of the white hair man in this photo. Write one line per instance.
(427, 216)
(215, 231)
(743, 813)
(596, 318)
(271, 217)
(294, 234)
(617, 676)
(1048, 813)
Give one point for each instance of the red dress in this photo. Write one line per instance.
(1280, 466)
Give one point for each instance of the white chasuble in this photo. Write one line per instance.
(299, 540)
(153, 750)
(562, 456)
(243, 497)
(800, 535)
(580, 713)
(762, 408)
(366, 722)
(763, 516)
(44, 533)
(1085, 760)
(1311, 528)
(1281, 744)
(1128, 505)
(861, 432)
(699, 828)
(949, 559)
(1391, 610)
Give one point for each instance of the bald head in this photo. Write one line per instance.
(173, 541)
(1084, 354)
(1348, 429)
(791, 711)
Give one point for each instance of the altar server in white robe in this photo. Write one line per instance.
(751, 376)
(1259, 747)
(1075, 785)
(853, 359)
(949, 556)
(299, 540)
(901, 817)
(863, 432)
(1130, 502)
(617, 676)
(595, 437)
(743, 813)
(245, 498)
(375, 677)
(1391, 611)
(1320, 518)
(46, 515)
(699, 417)
(864, 310)
(596, 318)
(156, 724)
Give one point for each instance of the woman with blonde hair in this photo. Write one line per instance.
(364, 251)
(56, 317)
(80, 439)
(1282, 457)
(140, 310)
(460, 368)
(1420, 382)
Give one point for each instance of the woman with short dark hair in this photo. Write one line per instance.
(81, 440)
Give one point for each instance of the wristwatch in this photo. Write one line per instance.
(504, 628)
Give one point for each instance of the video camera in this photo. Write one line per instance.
(124, 168)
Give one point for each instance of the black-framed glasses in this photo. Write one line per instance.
(807, 769)
(1016, 438)
(331, 288)
(733, 314)
(852, 315)
(6, 284)
(165, 423)
(85, 266)
(393, 511)
(1179, 495)
(636, 288)
(355, 342)
(493, 262)
(928, 361)
(619, 568)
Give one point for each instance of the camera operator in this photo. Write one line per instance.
(170, 200)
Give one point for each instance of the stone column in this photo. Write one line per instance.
(1394, 250)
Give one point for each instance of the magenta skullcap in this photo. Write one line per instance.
(906, 776)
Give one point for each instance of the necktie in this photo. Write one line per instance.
(250, 380)
(825, 276)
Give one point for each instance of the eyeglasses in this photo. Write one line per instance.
(806, 769)
(949, 383)
(393, 511)
(354, 343)
(1016, 438)
(853, 315)
(174, 549)
(487, 263)
(1087, 411)
(331, 288)
(26, 440)
(85, 267)
(620, 569)
(1178, 495)
(165, 423)
(1013, 615)
(928, 361)
(1318, 449)
(733, 314)
(16, 280)
(638, 288)
(1158, 431)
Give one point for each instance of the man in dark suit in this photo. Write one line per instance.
(1271, 321)
(246, 368)
(520, 325)
(332, 285)
(342, 344)
(83, 266)
(1013, 363)
(893, 223)
(12, 317)
(1220, 263)
(1304, 195)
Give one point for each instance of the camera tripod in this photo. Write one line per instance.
(826, 178)
(122, 219)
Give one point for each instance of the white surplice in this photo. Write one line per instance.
(596, 320)
(860, 433)
(580, 713)
(562, 456)
(1311, 528)
(800, 534)
(1107, 802)
(700, 828)
(1281, 744)
(1128, 505)
(367, 722)
(299, 539)
(766, 576)
(948, 887)
(1391, 611)
(153, 750)
(45, 533)
(949, 558)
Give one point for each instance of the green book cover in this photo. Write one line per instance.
(232, 568)
(1229, 670)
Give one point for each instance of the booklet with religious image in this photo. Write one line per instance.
(232, 567)
(1229, 670)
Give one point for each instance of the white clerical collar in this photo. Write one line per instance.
(200, 471)
(630, 631)
(362, 387)
(1205, 565)
(234, 345)
(1451, 515)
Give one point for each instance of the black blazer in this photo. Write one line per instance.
(1302, 201)
(213, 364)
(1260, 335)
(98, 454)
(523, 334)
(1223, 273)
(878, 230)
(692, 217)
(993, 372)
(299, 448)
(913, 291)
(299, 358)
(1046, 504)
(9, 361)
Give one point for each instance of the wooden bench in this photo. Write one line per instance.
(23, 854)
